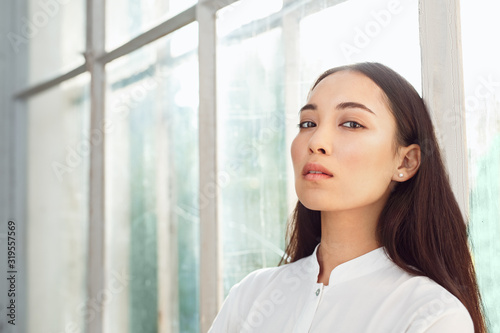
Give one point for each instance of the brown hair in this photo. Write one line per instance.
(421, 226)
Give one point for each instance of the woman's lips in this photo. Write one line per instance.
(315, 171)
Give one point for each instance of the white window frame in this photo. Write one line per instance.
(442, 89)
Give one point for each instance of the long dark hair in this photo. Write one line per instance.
(421, 225)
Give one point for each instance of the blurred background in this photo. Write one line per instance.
(144, 145)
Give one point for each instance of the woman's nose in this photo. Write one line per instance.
(320, 143)
(317, 150)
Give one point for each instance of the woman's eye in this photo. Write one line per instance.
(306, 124)
(352, 124)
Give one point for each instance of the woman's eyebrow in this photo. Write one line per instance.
(312, 107)
(340, 106)
(348, 105)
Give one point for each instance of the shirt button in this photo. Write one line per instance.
(317, 292)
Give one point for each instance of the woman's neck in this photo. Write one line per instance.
(345, 236)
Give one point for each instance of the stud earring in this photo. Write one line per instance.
(401, 175)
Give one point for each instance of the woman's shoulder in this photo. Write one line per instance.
(431, 305)
(424, 288)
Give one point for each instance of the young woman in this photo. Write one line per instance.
(377, 242)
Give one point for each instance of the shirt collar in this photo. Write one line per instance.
(349, 270)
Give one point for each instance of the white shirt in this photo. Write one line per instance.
(368, 294)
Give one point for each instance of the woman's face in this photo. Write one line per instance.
(344, 155)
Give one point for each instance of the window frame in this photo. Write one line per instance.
(441, 58)
(442, 71)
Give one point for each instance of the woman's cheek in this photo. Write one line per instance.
(352, 156)
(366, 152)
(296, 152)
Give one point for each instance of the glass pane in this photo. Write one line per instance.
(126, 19)
(251, 138)
(268, 55)
(58, 152)
(376, 30)
(152, 187)
(482, 101)
(52, 36)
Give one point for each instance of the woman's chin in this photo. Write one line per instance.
(316, 205)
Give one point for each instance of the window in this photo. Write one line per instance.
(57, 237)
(126, 19)
(52, 38)
(482, 103)
(155, 137)
(152, 186)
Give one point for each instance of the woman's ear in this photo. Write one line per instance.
(409, 163)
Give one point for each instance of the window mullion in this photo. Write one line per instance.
(96, 235)
(291, 37)
(173, 24)
(210, 248)
(443, 89)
